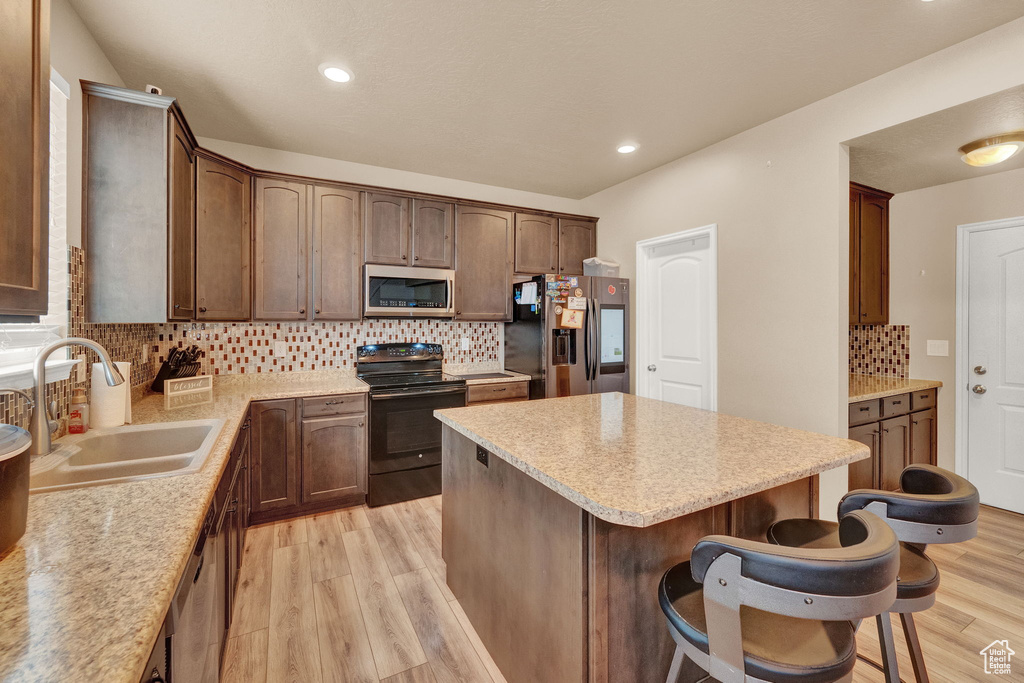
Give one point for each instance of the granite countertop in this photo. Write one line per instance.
(636, 461)
(865, 387)
(85, 591)
(512, 377)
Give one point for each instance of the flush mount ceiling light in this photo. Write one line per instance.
(627, 149)
(335, 73)
(993, 150)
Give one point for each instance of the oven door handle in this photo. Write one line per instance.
(415, 393)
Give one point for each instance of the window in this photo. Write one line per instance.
(20, 342)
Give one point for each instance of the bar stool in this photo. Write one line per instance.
(749, 612)
(933, 505)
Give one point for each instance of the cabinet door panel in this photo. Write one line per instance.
(536, 244)
(223, 241)
(25, 145)
(576, 241)
(893, 452)
(854, 257)
(922, 437)
(337, 242)
(873, 260)
(274, 458)
(433, 226)
(483, 250)
(333, 458)
(282, 250)
(182, 238)
(387, 229)
(863, 474)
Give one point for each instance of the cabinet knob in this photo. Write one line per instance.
(316, 311)
(361, 424)
(458, 312)
(302, 311)
(403, 257)
(202, 309)
(177, 306)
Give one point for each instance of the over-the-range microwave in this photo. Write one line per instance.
(408, 292)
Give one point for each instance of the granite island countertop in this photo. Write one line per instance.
(866, 387)
(637, 461)
(84, 592)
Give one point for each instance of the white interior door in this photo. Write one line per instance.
(676, 331)
(993, 395)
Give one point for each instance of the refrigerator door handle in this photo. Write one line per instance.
(586, 345)
(596, 344)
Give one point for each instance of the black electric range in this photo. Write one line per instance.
(407, 384)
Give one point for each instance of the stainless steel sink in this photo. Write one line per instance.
(106, 456)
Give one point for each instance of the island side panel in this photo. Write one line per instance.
(515, 553)
(628, 638)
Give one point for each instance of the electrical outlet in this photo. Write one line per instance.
(280, 348)
(938, 347)
(465, 344)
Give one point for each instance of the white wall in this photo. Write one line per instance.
(75, 55)
(281, 161)
(922, 237)
(778, 193)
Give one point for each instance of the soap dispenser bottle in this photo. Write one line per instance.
(78, 417)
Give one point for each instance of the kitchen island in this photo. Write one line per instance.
(561, 515)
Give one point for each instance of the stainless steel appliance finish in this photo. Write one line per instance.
(565, 361)
(408, 292)
(192, 618)
(407, 385)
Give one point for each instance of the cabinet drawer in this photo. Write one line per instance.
(504, 391)
(923, 399)
(895, 405)
(864, 411)
(333, 405)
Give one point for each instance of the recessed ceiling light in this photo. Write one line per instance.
(991, 151)
(335, 73)
(627, 149)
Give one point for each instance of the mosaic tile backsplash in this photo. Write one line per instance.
(882, 350)
(235, 348)
(245, 348)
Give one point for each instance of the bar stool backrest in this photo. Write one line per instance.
(933, 505)
(855, 581)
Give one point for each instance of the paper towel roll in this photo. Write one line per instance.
(126, 371)
(108, 403)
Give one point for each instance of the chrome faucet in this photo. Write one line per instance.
(40, 426)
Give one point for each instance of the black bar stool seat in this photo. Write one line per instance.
(776, 647)
(918, 577)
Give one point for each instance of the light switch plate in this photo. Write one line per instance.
(280, 348)
(938, 347)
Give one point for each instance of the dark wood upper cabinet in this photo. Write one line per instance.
(337, 247)
(387, 229)
(281, 250)
(25, 145)
(577, 240)
(137, 207)
(483, 263)
(274, 456)
(223, 241)
(536, 244)
(333, 458)
(433, 232)
(869, 255)
(182, 238)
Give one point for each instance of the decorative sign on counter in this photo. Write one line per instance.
(188, 391)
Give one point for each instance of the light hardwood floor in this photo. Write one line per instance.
(358, 596)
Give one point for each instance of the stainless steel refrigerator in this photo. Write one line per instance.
(583, 351)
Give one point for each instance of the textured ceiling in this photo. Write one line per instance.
(528, 95)
(923, 152)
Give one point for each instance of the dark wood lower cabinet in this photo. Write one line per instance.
(307, 455)
(863, 474)
(902, 438)
(333, 459)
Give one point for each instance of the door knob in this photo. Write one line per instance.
(652, 367)
(978, 389)
(980, 369)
